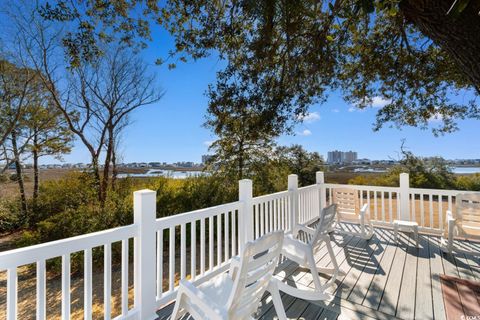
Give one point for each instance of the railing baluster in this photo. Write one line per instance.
(219, 239)
(270, 215)
(368, 201)
(87, 286)
(66, 287)
(12, 287)
(262, 221)
(398, 205)
(375, 204)
(257, 222)
(227, 236)
(159, 262)
(107, 276)
(234, 232)
(183, 251)
(171, 257)
(193, 250)
(430, 200)
(275, 214)
(210, 243)
(390, 209)
(413, 205)
(383, 206)
(450, 203)
(202, 246)
(41, 285)
(422, 210)
(125, 277)
(440, 211)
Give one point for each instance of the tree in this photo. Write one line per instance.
(96, 94)
(245, 136)
(50, 135)
(16, 85)
(301, 162)
(411, 54)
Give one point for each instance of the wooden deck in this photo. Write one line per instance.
(384, 280)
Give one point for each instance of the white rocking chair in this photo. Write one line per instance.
(303, 253)
(464, 222)
(236, 294)
(348, 210)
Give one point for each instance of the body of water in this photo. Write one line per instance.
(457, 170)
(163, 173)
(465, 170)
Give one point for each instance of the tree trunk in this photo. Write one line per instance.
(35, 169)
(21, 184)
(459, 37)
(106, 169)
(96, 175)
(114, 168)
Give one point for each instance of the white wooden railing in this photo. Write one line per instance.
(199, 244)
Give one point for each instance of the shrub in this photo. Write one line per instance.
(9, 215)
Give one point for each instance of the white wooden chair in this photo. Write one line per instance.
(348, 210)
(464, 222)
(303, 253)
(236, 294)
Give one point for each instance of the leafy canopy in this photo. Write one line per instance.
(286, 55)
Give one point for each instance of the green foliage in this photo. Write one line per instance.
(283, 56)
(300, 162)
(9, 215)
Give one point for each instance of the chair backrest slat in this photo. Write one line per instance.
(347, 200)
(468, 210)
(327, 217)
(257, 263)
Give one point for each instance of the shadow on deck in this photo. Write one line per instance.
(384, 279)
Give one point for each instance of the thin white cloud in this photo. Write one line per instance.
(305, 133)
(207, 143)
(310, 117)
(375, 102)
(335, 110)
(380, 102)
(436, 118)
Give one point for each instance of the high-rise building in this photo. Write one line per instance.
(336, 157)
(349, 156)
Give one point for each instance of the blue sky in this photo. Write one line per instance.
(171, 130)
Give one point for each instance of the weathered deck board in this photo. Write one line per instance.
(384, 280)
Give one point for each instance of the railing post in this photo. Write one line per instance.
(245, 218)
(404, 197)
(293, 190)
(320, 177)
(144, 215)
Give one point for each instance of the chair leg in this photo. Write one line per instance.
(314, 272)
(277, 300)
(176, 314)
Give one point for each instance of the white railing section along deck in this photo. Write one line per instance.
(199, 244)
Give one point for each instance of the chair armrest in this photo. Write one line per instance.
(301, 227)
(234, 267)
(198, 298)
(449, 216)
(364, 212)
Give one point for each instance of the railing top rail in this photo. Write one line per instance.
(443, 192)
(306, 188)
(266, 197)
(53, 249)
(186, 217)
(362, 187)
